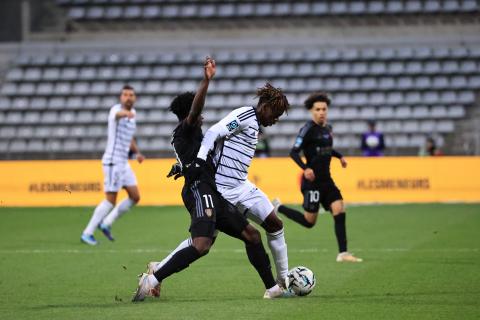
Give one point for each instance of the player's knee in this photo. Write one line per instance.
(135, 198)
(272, 224)
(202, 245)
(252, 235)
(309, 224)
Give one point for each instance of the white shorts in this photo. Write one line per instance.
(249, 200)
(117, 176)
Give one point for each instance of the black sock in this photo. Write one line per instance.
(177, 263)
(340, 231)
(295, 215)
(259, 259)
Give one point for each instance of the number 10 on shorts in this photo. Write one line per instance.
(314, 195)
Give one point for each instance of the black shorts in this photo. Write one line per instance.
(210, 211)
(316, 193)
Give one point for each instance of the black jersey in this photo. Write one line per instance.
(316, 142)
(186, 141)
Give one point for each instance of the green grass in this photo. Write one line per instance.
(420, 262)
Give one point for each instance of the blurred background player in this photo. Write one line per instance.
(372, 141)
(234, 139)
(315, 139)
(116, 169)
(209, 212)
(429, 148)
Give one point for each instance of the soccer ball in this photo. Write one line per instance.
(372, 141)
(301, 281)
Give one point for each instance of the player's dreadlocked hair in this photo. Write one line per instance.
(273, 97)
(181, 105)
(316, 97)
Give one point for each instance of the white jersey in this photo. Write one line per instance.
(120, 135)
(236, 136)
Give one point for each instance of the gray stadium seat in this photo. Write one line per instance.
(226, 10)
(20, 103)
(87, 73)
(26, 89)
(113, 13)
(51, 74)
(95, 13)
(4, 103)
(438, 112)
(8, 132)
(403, 112)
(9, 89)
(14, 74)
(25, 132)
(56, 103)
(456, 111)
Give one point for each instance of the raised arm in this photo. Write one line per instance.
(124, 113)
(199, 100)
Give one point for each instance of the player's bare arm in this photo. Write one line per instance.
(134, 147)
(199, 100)
(123, 114)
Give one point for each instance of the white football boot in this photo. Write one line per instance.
(145, 289)
(347, 257)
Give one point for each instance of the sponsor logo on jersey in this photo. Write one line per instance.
(232, 125)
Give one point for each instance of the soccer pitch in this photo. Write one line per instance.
(420, 262)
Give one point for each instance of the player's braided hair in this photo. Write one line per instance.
(316, 97)
(181, 105)
(273, 98)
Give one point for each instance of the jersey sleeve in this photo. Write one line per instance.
(298, 145)
(234, 122)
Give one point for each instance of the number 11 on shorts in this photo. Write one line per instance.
(208, 200)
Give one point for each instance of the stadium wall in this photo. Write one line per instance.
(366, 180)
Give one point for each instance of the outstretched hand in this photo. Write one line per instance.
(175, 171)
(343, 162)
(209, 68)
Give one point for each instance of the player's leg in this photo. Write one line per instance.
(111, 187)
(260, 209)
(129, 181)
(198, 200)
(149, 284)
(311, 204)
(234, 224)
(334, 202)
(99, 213)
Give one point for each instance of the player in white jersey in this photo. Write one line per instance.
(116, 169)
(236, 137)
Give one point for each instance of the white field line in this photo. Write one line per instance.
(150, 250)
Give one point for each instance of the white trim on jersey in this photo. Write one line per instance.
(120, 135)
(236, 136)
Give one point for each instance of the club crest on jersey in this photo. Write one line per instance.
(231, 126)
(208, 212)
(298, 142)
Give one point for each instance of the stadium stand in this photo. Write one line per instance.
(53, 102)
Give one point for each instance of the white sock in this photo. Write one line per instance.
(185, 243)
(278, 247)
(152, 280)
(118, 211)
(100, 212)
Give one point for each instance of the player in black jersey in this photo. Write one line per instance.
(315, 139)
(209, 212)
